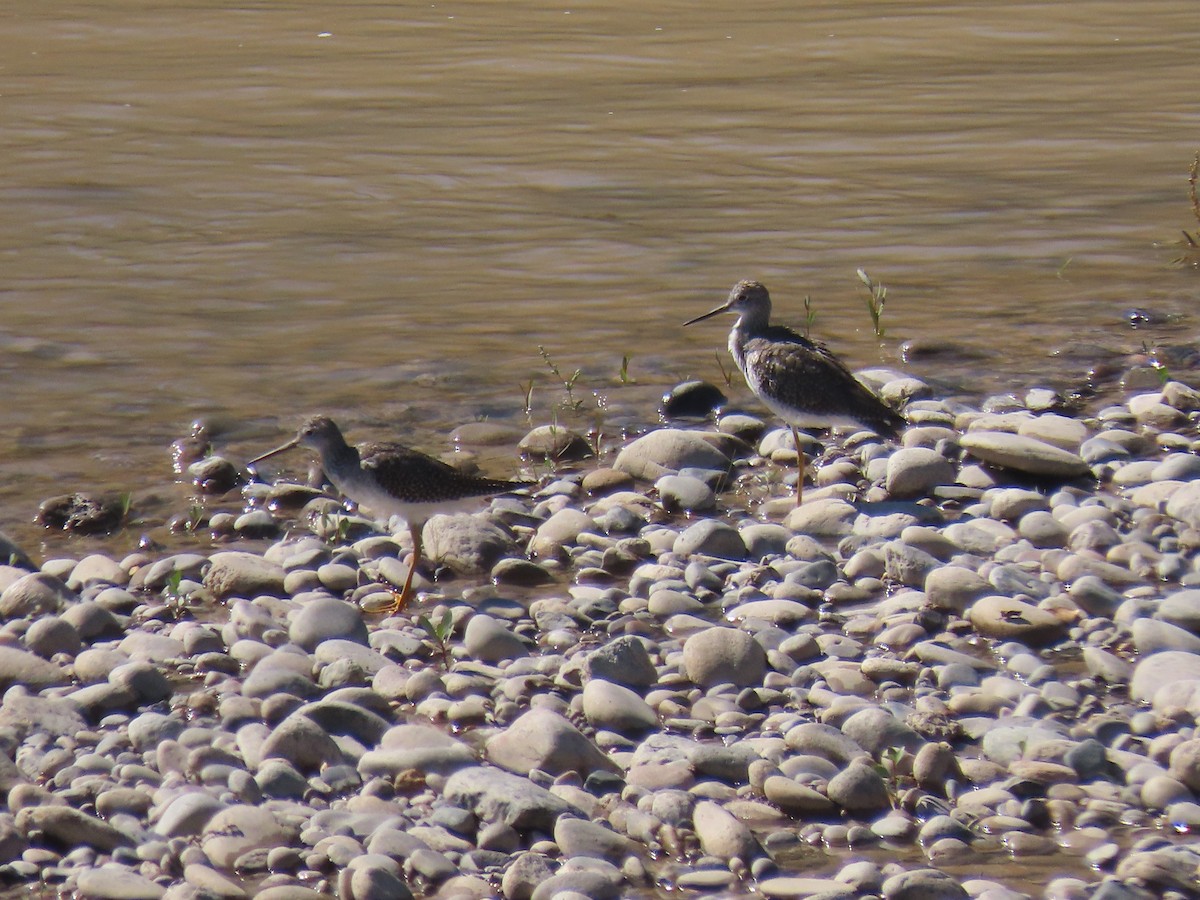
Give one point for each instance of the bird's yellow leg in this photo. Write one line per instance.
(800, 466)
(400, 600)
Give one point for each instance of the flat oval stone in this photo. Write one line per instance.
(1024, 454)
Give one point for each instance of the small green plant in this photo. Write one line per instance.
(334, 528)
(1191, 242)
(173, 593)
(194, 519)
(876, 297)
(1159, 367)
(888, 768)
(623, 375)
(439, 635)
(575, 403)
(126, 505)
(810, 315)
(527, 404)
(572, 403)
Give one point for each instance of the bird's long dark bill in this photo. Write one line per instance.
(282, 447)
(708, 315)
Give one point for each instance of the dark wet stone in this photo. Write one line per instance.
(692, 400)
(523, 572)
(214, 475)
(81, 513)
(1141, 316)
(1089, 759)
(526, 872)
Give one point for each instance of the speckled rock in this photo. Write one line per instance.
(233, 573)
(1007, 618)
(465, 542)
(498, 796)
(623, 660)
(239, 829)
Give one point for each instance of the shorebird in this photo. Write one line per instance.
(391, 479)
(800, 380)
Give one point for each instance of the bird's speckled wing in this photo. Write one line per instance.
(806, 385)
(413, 477)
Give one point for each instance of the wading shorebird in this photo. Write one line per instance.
(392, 480)
(800, 380)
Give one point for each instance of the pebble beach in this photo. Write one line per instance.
(968, 665)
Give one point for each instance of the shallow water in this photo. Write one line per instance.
(380, 212)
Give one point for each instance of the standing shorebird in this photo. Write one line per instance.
(392, 480)
(800, 380)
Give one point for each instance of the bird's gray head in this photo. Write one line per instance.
(319, 433)
(748, 299)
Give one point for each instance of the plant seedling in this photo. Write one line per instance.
(876, 297)
(439, 635)
(624, 373)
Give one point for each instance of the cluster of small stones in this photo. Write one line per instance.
(981, 646)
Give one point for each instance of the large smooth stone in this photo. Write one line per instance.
(1024, 454)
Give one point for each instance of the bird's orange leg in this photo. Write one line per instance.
(800, 465)
(400, 600)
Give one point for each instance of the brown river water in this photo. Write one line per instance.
(248, 213)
